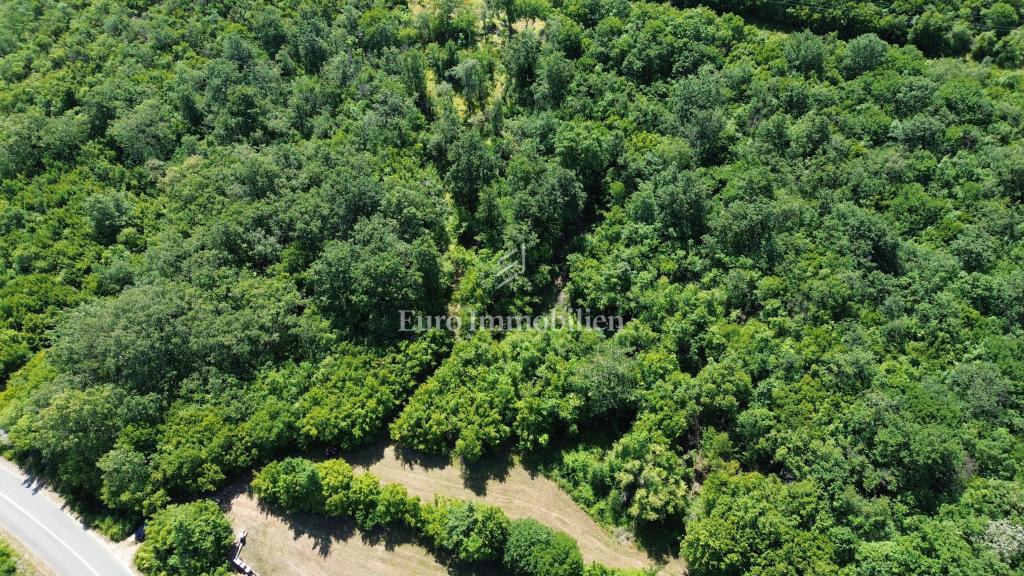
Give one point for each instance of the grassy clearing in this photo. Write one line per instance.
(281, 545)
(506, 484)
(311, 546)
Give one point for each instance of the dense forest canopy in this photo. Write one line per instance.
(983, 29)
(212, 212)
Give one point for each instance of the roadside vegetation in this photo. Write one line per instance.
(11, 564)
(8, 560)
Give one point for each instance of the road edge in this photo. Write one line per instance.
(123, 551)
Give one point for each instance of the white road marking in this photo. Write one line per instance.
(51, 533)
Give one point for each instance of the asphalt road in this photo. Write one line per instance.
(51, 534)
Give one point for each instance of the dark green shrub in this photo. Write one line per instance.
(533, 549)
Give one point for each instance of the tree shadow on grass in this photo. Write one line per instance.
(463, 569)
(412, 458)
(371, 454)
(365, 456)
(392, 537)
(476, 475)
(456, 567)
(325, 531)
(322, 531)
(660, 540)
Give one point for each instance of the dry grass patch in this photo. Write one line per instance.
(507, 485)
(313, 546)
(283, 545)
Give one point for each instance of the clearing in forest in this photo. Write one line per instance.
(312, 546)
(301, 544)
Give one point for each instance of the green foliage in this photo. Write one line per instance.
(73, 431)
(533, 549)
(805, 53)
(190, 539)
(752, 524)
(396, 508)
(211, 219)
(8, 561)
(940, 28)
(646, 478)
(14, 352)
(149, 131)
(354, 394)
(466, 399)
(469, 531)
(125, 478)
(336, 479)
(331, 488)
(363, 498)
(291, 484)
(363, 282)
(863, 54)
